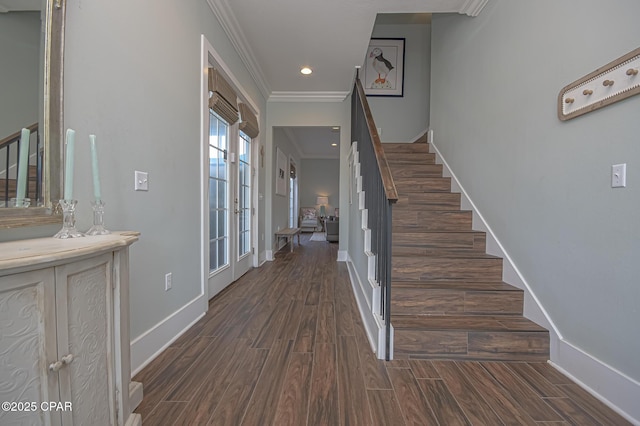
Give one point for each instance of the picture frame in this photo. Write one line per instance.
(281, 172)
(383, 70)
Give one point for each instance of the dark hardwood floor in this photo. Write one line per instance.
(285, 345)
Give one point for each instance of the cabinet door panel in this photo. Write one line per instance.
(83, 291)
(27, 346)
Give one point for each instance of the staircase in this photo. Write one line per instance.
(448, 299)
(32, 181)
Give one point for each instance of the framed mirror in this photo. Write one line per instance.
(32, 48)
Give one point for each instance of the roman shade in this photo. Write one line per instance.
(222, 98)
(248, 121)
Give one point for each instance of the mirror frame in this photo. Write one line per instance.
(52, 126)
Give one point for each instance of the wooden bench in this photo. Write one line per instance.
(289, 233)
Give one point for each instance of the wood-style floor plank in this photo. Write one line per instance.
(594, 407)
(351, 388)
(475, 407)
(526, 397)
(293, 406)
(306, 337)
(207, 398)
(316, 366)
(166, 412)
(262, 407)
(323, 405)
(233, 405)
(504, 406)
(415, 408)
(445, 406)
(385, 409)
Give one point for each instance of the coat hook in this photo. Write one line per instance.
(569, 100)
(587, 92)
(607, 83)
(632, 71)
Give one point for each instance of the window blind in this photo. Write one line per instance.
(222, 98)
(248, 121)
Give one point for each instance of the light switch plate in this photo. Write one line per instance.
(619, 175)
(142, 181)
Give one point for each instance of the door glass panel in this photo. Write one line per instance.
(218, 184)
(244, 194)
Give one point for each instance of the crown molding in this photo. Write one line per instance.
(308, 96)
(231, 27)
(473, 7)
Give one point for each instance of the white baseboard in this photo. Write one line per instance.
(342, 255)
(618, 391)
(152, 342)
(135, 394)
(614, 388)
(360, 291)
(268, 255)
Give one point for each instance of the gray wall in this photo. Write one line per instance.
(403, 119)
(132, 77)
(19, 77)
(320, 177)
(280, 203)
(544, 185)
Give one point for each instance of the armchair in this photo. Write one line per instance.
(309, 220)
(332, 229)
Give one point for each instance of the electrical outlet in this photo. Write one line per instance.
(167, 282)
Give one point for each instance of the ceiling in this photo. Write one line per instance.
(312, 141)
(276, 38)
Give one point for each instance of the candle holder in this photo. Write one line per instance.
(20, 203)
(98, 219)
(68, 220)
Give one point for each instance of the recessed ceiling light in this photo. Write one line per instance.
(334, 144)
(306, 71)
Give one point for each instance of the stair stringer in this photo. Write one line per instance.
(361, 262)
(614, 388)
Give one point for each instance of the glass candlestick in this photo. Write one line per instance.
(98, 219)
(68, 220)
(20, 202)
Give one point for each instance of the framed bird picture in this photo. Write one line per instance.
(384, 67)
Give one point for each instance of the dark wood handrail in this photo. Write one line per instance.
(17, 135)
(385, 171)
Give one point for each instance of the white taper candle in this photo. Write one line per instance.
(94, 167)
(23, 166)
(68, 164)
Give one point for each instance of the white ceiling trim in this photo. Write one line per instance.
(308, 96)
(473, 7)
(223, 12)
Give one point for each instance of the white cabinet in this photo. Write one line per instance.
(64, 331)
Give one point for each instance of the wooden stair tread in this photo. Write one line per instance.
(447, 253)
(465, 323)
(454, 285)
(405, 147)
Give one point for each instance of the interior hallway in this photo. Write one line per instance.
(284, 345)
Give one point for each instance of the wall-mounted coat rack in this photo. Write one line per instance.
(614, 82)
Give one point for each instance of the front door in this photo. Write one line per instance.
(229, 201)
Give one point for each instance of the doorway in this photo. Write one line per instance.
(230, 198)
